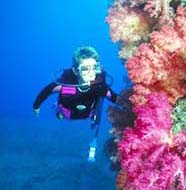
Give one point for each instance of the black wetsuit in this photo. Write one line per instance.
(81, 102)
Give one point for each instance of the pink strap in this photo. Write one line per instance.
(65, 112)
(68, 90)
(108, 95)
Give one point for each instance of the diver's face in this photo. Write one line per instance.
(87, 69)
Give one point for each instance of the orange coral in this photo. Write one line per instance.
(161, 64)
(128, 25)
(160, 10)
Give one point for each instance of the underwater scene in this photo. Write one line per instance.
(93, 95)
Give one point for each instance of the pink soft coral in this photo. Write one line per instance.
(180, 27)
(146, 151)
(160, 10)
(180, 144)
(156, 8)
(161, 64)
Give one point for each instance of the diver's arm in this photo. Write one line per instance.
(104, 90)
(45, 93)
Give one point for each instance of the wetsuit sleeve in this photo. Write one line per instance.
(105, 91)
(44, 94)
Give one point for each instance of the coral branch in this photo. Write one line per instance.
(148, 154)
(161, 64)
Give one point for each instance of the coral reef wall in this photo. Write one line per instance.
(150, 137)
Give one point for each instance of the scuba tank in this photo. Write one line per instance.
(95, 125)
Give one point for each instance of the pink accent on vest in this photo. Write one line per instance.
(108, 94)
(65, 112)
(68, 90)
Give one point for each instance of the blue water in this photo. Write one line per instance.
(37, 38)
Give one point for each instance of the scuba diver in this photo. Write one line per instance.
(81, 89)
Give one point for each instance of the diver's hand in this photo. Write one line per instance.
(59, 116)
(36, 112)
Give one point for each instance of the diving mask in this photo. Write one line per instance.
(86, 69)
(90, 65)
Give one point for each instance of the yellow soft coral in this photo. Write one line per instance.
(129, 26)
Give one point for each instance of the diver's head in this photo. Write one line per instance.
(86, 64)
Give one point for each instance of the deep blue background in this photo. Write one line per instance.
(37, 38)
